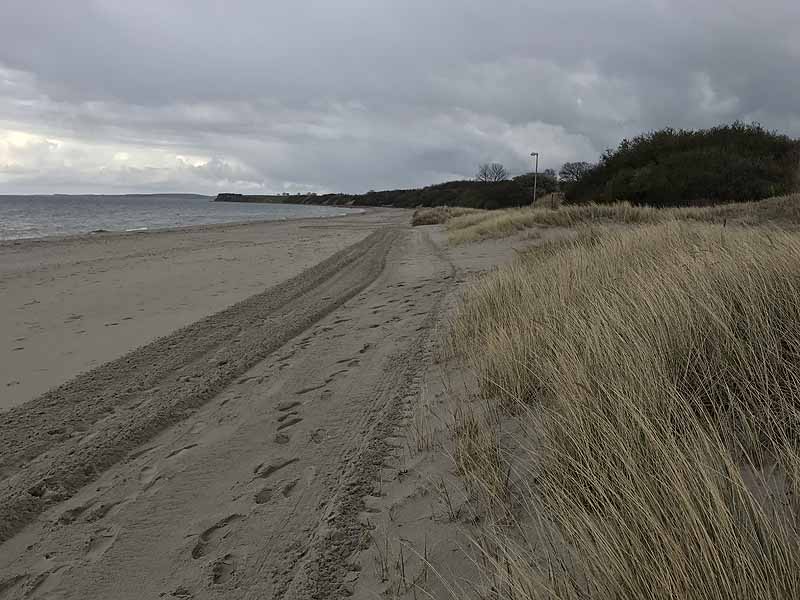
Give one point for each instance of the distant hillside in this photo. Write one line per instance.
(475, 194)
(730, 163)
(166, 195)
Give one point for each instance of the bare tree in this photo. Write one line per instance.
(491, 172)
(571, 172)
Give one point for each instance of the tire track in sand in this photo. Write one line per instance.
(45, 456)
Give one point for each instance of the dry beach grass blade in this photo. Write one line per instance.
(652, 375)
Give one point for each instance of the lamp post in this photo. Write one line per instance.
(535, 175)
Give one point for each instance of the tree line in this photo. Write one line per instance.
(680, 167)
(668, 167)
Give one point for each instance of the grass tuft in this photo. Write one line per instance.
(784, 211)
(439, 214)
(660, 368)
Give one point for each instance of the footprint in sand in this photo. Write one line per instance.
(151, 480)
(104, 509)
(71, 514)
(264, 495)
(310, 389)
(288, 488)
(214, 533)
(281, 438)
(289, 423)
(100, 542)
(156, 486)
(46, 583)
(287, 415)
(288, 405)
(223, 569)
(265, 470)
(179, 452)
(136, 454)
(147, 474)
(336, 374)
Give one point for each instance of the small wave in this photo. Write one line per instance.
(137, 229)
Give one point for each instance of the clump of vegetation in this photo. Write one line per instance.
(661, 367)
(550, 200)
(729, 163)
(498, 224)
(439, 214)
(492, 189)
(783, 211)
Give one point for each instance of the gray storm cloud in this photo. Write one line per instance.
(111, 96)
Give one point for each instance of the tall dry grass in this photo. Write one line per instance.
(439, 214)
(659, 370)
(501, 223)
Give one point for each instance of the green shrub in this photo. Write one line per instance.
(729, 163)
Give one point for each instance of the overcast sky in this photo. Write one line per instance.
(119, 96)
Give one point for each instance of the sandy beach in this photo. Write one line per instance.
(71, 304)
(207, 413)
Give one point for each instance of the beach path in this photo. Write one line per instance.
(231, 459)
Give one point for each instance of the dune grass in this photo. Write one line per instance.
(784, 210)
(439, 214)
(652, 378)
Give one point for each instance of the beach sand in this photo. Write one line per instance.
(72, 304)
(249, 450)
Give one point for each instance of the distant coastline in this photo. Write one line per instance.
(469, 193)
(58, 195)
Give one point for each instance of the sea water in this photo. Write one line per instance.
(41, 216)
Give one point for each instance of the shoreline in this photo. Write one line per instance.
(187, 228)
